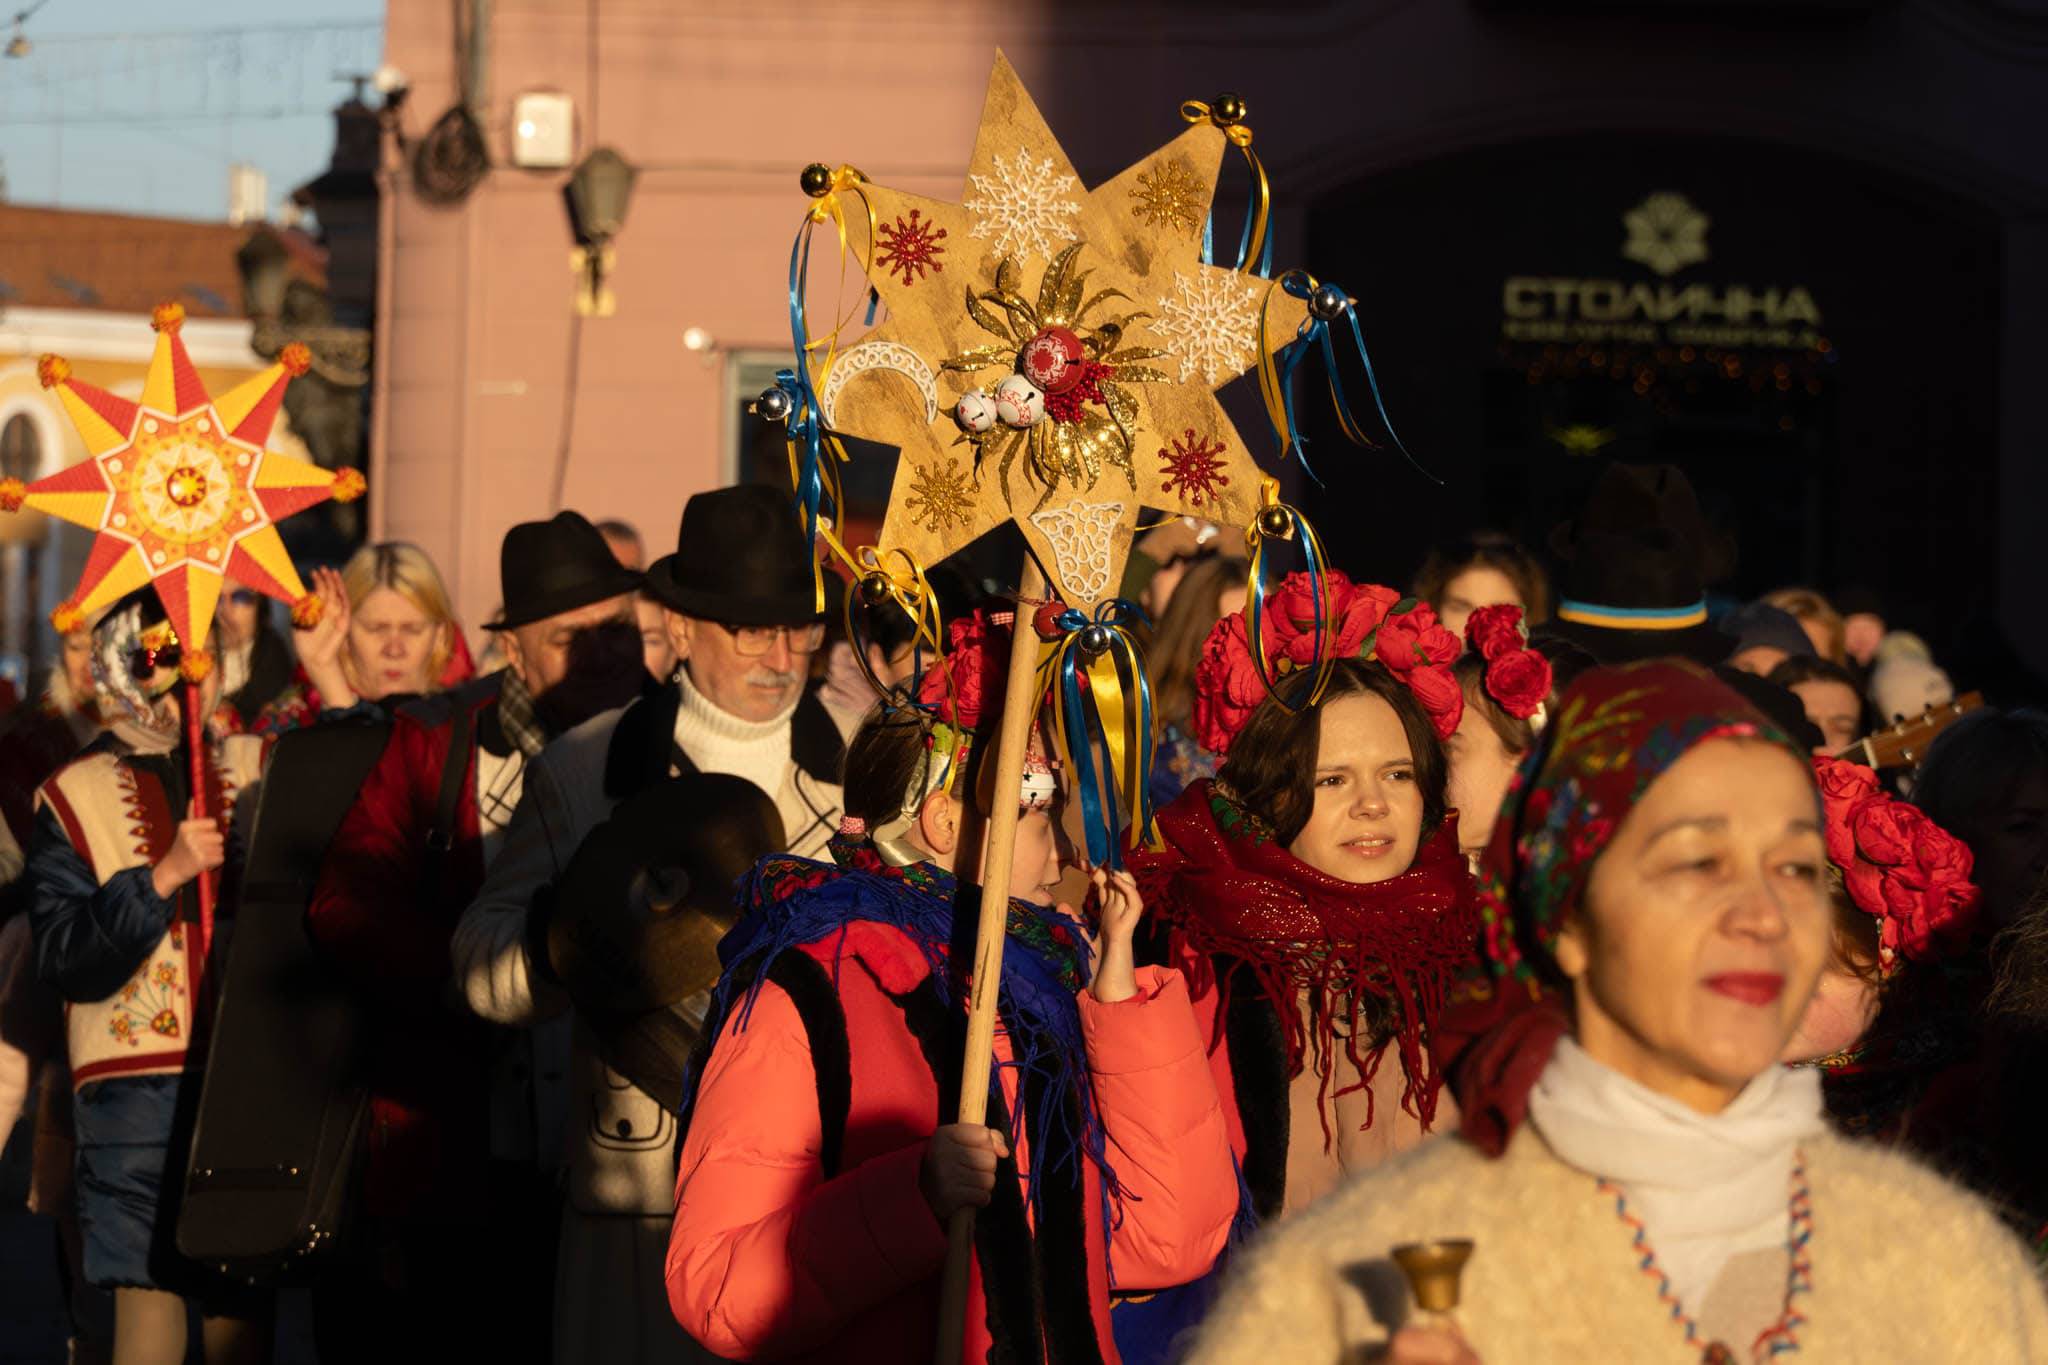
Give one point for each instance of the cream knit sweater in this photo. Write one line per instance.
(1905, 1267)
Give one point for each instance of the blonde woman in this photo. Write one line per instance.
(387, 630)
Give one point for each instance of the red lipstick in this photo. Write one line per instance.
(1751, 988)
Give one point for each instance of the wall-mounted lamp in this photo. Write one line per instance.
(599, 190)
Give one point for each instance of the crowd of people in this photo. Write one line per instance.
(1547, 911)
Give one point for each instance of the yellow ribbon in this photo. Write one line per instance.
(904, 584)
(1255, 538)
(1240, 137)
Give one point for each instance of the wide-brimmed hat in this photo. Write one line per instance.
(548, 567)
(740, 559)
(1637, 559)
(641, 906)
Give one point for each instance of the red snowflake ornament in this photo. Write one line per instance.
(1194, 466)
(910, 248)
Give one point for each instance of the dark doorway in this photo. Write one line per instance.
(1820, 355)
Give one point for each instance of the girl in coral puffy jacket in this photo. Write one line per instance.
(819, 1165)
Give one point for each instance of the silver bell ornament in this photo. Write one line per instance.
(1094, 641)
(1328, 303)
(773, 405)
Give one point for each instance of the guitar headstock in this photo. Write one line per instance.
(1904, 744)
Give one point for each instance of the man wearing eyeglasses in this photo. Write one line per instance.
(740, 607)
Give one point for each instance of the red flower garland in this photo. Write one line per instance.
(1360, 621)
(1517, 677)
(1897, 865)
(977, 658)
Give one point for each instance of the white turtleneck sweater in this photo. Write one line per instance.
(719, 742)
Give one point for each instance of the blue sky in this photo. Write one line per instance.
(140, 106)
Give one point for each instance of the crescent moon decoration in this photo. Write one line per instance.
(879, 355)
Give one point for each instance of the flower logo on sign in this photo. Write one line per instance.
(1666, 233)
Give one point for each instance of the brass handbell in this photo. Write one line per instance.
(1432, 1270)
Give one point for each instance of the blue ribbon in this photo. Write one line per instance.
(1078, 715)
(805, 428)
(1244, 240)
(1313, 334)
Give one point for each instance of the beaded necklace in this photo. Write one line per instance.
(1781, 1337)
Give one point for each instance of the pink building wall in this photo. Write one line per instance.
(721, 102)
(720, 105)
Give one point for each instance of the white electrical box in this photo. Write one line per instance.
(543, 130)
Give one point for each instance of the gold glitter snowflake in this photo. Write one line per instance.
(1168, 196)
(940, 496)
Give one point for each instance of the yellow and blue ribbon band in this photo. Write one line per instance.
(1105, 740)
(1257, 237)
(906, 588)
(814, 479)
(1276, 375)
(1256, 536)
(1632, 618)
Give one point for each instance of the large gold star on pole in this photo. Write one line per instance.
(178, 485)
(1099, 302)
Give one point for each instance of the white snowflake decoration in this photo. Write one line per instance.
(1211, 327)
(1024, 207)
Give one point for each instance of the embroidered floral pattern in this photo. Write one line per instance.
(147, 1005)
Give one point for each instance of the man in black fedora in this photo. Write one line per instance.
(740, 606)
(465, 1122)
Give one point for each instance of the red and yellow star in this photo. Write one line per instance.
(179, 487)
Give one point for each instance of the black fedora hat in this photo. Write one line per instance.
(548, 567)
(740, 558)
(1636, 563)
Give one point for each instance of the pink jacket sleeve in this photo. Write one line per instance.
(1165, 1126)
(765, 1257)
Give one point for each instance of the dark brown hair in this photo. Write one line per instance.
(1491, 550)
(1176, 645)
(885, 755)
(1802, 668)
(1272, 763)
(889, 752)
(1516, 735)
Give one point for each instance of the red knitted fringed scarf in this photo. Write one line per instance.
(1222, 884)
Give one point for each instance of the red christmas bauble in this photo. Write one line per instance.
(1046, 620)
(1052, 360)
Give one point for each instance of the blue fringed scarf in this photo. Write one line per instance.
(791, 901)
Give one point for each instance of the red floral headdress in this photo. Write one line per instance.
(1517, 677)
(1360, 621)
(1897, 865)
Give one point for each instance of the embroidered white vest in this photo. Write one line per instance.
(117, 817)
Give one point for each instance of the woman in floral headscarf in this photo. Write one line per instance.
(1675, 1193)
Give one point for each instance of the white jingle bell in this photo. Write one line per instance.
(1019, 402)
(975, 412)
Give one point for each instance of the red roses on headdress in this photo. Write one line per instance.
(977, 657)
(1360, 621)
(1896, 864)
(1517, 677)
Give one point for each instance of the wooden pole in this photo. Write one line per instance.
(1001, 843)
(195, 747)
